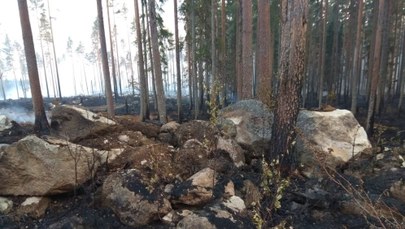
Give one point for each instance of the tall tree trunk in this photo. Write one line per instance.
(291, 73)
(264, 52)
(215, 82)
(145, 58)
(178, 73)
(54, 54)
(223, 83)
(104, 60)
(401, 76)
(118, 60)
(41, 124)
(247, 51)
(152, 70)
(356, 58)
(114, 76)
(323, 51)
(238, 52)
(376, 70)
(335, 62)
(3, 90)
(386, 29)
(142, 79)
(161, 100)
(194, 62)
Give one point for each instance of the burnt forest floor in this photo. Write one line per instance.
(81, 208)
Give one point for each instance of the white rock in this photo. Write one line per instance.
(5, 205)
(379, 156)
(91, 116)
(336, 132)
(5, 123)
(235, 203)
(123, 138)
(34, 206)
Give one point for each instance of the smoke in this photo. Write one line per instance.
(18, 114)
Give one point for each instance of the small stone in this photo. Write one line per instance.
(169, 188)
(34, 206)
(5, 205)
(235, 203)
(379, 156)
(229, 189)
(123, 138)
(398, 190)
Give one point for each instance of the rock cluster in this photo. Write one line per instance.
(196, 174)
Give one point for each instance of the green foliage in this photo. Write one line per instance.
(257, 219)
(213, 104)
(273, 187)
(273, 183)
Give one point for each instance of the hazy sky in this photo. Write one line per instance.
(72, 18)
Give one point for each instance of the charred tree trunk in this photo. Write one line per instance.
(356, 58)
(161, 100)
(178, 73)
(375, 70)
(291, 73)
(264, 52)
(41, 124)
(104, 60)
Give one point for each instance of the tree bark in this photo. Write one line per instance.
(41, 124)
(323, 51)
(356, 58)
(214, 82)
(291, 73)
(238, 49)
(223, 83)
(264, 52)
(247, 51)
(401, 76)
(104, 60)
(145, 38)
(161, 100)
(194, 62)
(386, 29)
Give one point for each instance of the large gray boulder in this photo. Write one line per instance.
(135, 203)
(330, 138)
(248, 122)
(336, 132)
(75, 123)
(35, 167)
(235, 152)
(336, 136)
